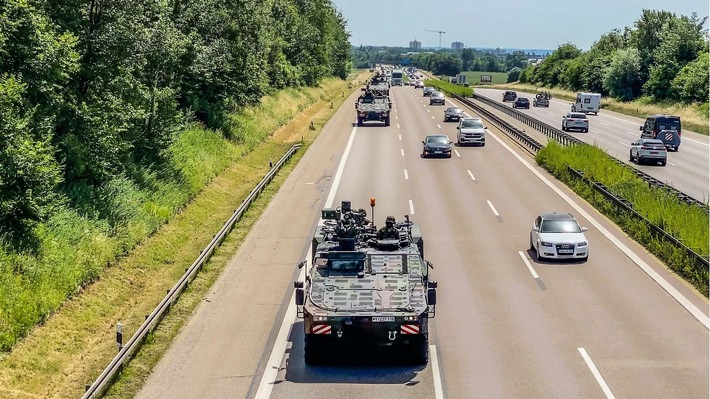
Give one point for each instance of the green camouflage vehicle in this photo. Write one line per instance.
(365, 292)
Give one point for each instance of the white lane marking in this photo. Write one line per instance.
(622, 143)
(471, 174)
(605, 124)
(402, 150)
(525, 259)
(428, 110)
(683, 301)
(438, 386)
(672, 163)
(271, 370)
(396, 117)
(411, 207)
(406, 175)
(551, 114)
(395, 110)
(438, 125)
(596, 373)
(632, 133)
(432, 117)
(594, 131)
(696, 141)
(457, 153)
(492, 208)
(400, 136)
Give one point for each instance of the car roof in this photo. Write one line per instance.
(557, 216)
(522, 98)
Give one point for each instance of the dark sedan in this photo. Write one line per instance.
(437, 145)
(453, 114)
(521, 102)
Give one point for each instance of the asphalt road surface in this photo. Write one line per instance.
(688, 170)
(619, 325)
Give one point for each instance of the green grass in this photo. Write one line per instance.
(694, 117)
(74, 249)
(688, 223)
(450, 87)
(474, 77)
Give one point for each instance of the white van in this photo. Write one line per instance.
(587, 102)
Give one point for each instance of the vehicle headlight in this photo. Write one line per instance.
(545, 244)
(582, 244)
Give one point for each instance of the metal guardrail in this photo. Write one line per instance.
(101, 383)
(567, 139)
(700, 260)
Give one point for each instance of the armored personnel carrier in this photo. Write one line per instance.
(365, 292)
(374, 104)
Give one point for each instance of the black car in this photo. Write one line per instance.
(453, 114)
(437, 145)
(521, 102)
(437, 98)
(509, 96)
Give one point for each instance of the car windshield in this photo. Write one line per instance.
(455, 110)
(472, 124)
(654, 141)
(560, 226)
(438, 95)
(578, 116)
(437, 140)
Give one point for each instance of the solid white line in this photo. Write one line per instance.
(411, 207)
(471, 174)
(622, 143)
(271, 370)
(596, 373)
(400, 137)
(406, 176)
(683, 301)
(438, 386)
(438, 125)
(402, 150)
(457, 153)
(492, 208)
(525, 259)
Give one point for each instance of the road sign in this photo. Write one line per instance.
(486, 78)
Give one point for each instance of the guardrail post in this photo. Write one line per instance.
(119, 336)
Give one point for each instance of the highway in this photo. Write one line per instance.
(619, 325)
(688, 170)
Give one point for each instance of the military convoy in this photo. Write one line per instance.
(365, 289)
(375, 103)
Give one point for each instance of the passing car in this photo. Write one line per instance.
(670, 138)
(437, 98)
(419, 84)
(575, 121)
(471, 131)
(521, 102)
(509, 96)
(428, 90)
(453, 114)
(558, 236)
(648, 150)
(437, 145)
(656, 123)
(541, 102)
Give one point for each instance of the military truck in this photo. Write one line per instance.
(374, 104)
(364, 293)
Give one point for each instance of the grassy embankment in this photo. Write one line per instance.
(689, 224)
(75, 343)
(694, 117)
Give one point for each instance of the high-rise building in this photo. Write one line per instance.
(415, 44)
(456, 46)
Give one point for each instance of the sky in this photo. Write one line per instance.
(521, 24)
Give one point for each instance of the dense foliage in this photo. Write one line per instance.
(664, 57)
(95, 89)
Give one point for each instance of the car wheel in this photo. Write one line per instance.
(663, 162)
(532, 247)
(586, 130)
(586, 258)
(563, 128)
(639, 159)
(631, 156)
(538, 257)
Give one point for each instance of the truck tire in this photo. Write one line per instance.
(359, 121)
(312, 351)
(387, 121)
(420, 351)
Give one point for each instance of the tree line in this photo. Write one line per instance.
(93, 89)
(664, 56)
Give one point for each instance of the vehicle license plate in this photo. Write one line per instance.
(437, 152)
(566, 251)
(382, 319)
(654, 152)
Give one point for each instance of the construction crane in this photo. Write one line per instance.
(440, 32)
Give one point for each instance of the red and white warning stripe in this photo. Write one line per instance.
(410, 329)
(322, 329)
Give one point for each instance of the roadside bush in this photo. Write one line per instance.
(450, 87)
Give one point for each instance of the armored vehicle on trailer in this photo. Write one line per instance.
(374, 104)
(366, 289)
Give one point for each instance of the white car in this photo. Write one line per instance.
(471, 131)
(576, 121)
(558, 236)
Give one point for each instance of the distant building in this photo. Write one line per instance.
(415, 44)
(456, 46)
